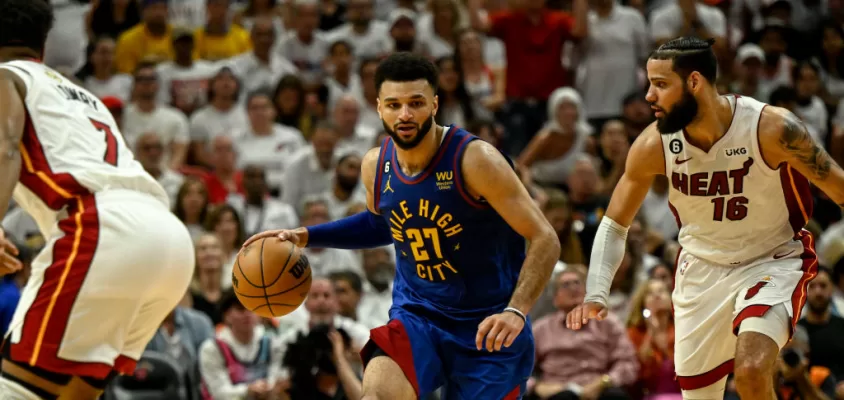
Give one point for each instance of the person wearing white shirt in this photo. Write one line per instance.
(310, 170)
(325, 261)
(262, 67)
(146, 115)
(102, 79)
(222, 116)
(149, 152)
(369, 95)
(670, 21)
(305, 46)
(260, 211)
(362, 31)
(341, 78)
(353, 136)
(244, 343)
(379, 270)
(346, 190)
(184, 81)
(266, 143)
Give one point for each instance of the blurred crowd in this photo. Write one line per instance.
(255, 114)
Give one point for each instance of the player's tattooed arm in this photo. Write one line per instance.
(785, 139)
(12, 118)
(487, 175)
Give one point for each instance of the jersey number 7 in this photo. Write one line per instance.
(111, 142)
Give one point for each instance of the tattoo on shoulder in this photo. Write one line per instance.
(796, 140)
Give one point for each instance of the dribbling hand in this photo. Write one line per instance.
(298, 236)
(8, 251)
(499, 330)
(583, 313)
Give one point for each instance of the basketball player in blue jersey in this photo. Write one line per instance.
(458, 217)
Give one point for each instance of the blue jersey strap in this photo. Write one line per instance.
(363, 230)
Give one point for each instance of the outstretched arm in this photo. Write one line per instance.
(12, 117)
(644, 161)
(783, 139)
(489, 176)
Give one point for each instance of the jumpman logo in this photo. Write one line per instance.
(387, 186)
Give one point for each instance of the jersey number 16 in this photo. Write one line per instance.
(734, 209)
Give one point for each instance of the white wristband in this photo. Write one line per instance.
(517, 312)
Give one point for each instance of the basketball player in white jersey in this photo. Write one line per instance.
(738, 170)
(116, 261)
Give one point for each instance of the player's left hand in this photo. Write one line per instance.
(499, 329)
(8, 252)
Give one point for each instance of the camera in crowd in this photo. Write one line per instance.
(310, 355)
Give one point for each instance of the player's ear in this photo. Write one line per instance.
(378, 107)
(436, 104)
(694, 81)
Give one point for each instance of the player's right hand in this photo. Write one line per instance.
(583, 313)
(8, 252)
(298, 236)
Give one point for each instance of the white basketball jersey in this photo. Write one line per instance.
(71, 147)
(731, 207)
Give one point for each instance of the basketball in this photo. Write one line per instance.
(271, 277)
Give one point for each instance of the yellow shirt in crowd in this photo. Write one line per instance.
(138, 44)
(214, 48)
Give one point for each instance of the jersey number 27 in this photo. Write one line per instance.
(111, 142)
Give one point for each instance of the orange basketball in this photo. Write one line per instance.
(271, 277)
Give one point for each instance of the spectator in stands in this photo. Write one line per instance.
(535, 37)
(100, 76)
(260, 211)
(369, 95)
(361, 30)
(352, 135)
(796, 378)
(440, 30)
(149, 151)
(310, 170)
(341, 78)
(289, 101)
(832, 72)
(550, 155)
(825, 330)
(226, 223)
(593, 363)
(346, 188)
(303, 44)
(321, 308)
(559, 213)
(748, 69)
(456, 107)
(637, 114)
(379, 270)
(218, 39)
(485, 83)
(662, 272)
(180, 336)
(487, 130)
(266, 143)
(348, 287)
(650, 327)
(184, 80)
(224, 180)
(241, 362)
(262, 67)
(587, 199)
(222, 116)
(254, 10)
(325, 261)
(332, 14)
(146, 114)
(403, 33)
(207, 288)
(149, 40)
(111, 18)
(778, 65)
(191, 205)
(810, 107)
(319, 366)
(613, 146)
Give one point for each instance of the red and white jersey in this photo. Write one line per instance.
(732, 207)
(71, 147)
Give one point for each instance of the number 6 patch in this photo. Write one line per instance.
(676, 146)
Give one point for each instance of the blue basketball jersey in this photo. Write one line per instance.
(456, 258)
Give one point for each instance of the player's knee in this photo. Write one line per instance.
(752, 375)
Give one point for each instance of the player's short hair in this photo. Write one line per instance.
(689, 54)
(406, 67)
(25, 23)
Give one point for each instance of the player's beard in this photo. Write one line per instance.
(421, 132)
(680, 116)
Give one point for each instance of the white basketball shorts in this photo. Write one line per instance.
(711, 301)
(110, 273)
